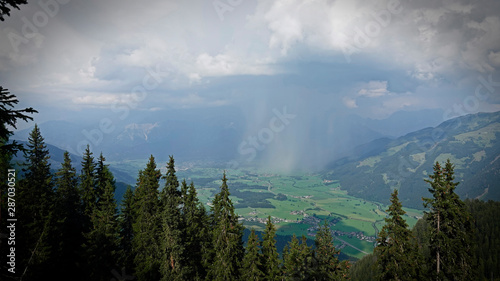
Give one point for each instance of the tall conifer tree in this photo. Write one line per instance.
(68, 212)
(126, 221)
(251, 264)
(173, 265)
(297, 260)
(9, 116)
(8, 119)
(327, 264)
(396, 252)
(147, 225)
(102, 241)
(88, 188)
(451, 227)
(270, 256)
(36, 196)
(196, 235)
(226, 237)
(102, 177)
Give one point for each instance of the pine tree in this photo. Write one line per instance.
(226, 237)
(102, 176)
(270, 256)
(173, 267)
(396, 252)
(88, 188)
(147, 225)
(251, 269)
(6, 6)
(327, 264)
(363, 268)
(126, 220)
(196, 235)
(10, 176)
(297, 260)
(9, 118)
(102, 241)
(68, 213)
(36, 196)
(421, 236)
(451, 227)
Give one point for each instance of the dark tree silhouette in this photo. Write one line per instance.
(7, 5)
(9, 117)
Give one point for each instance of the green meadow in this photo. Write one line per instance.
(297, 203)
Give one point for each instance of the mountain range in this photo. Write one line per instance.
(471, 143)
(215, 134)
(372, 158)
(57, 158)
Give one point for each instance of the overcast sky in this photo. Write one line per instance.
(371, 58)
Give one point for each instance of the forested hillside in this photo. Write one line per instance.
(471, 142)
(485, 254)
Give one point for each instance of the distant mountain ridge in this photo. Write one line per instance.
(57, 158)
(189, 135)
(471, 142)
(216, 134)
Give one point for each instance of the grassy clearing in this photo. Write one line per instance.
(396, 149)
(370, 162)
(458, 162)
(482, 137)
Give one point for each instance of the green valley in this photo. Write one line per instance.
(298, 204)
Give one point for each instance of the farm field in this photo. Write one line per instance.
(297, 203)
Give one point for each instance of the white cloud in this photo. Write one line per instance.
(97, 100)
(349, 102)
(318, 24)
(193, 100)
(226, 65)
(374, 89)
(366, 90)
(400, 102)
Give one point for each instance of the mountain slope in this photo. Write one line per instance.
(471, 142)
(57, 158)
